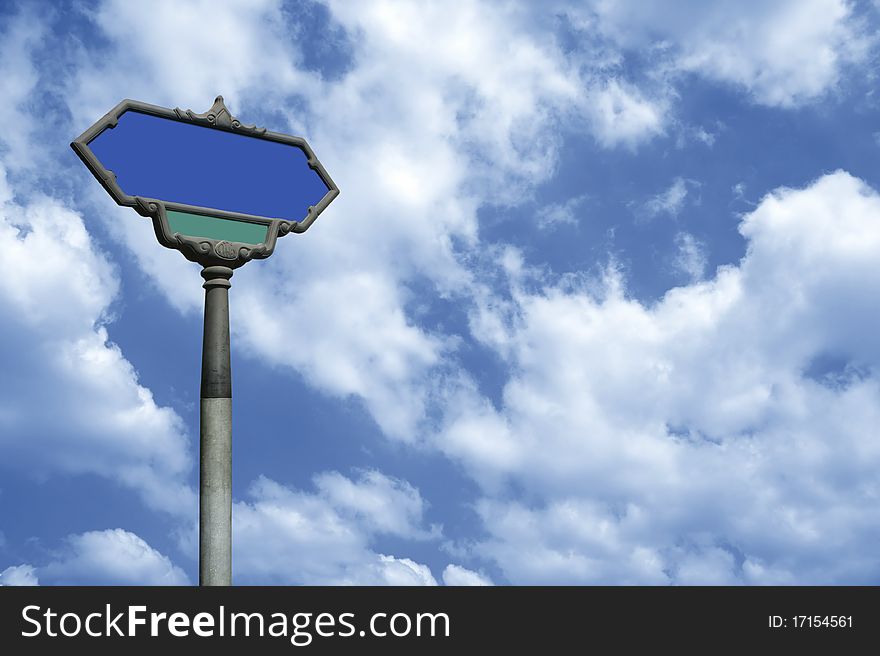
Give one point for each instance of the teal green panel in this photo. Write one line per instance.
(196, 225)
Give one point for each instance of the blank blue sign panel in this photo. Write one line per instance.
(179, 162)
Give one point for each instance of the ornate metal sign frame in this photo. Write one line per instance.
(205, 251)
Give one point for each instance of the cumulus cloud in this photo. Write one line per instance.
(282, 536)
(691, 257)
(111, 557)
(783, 53)
(559, 214)
(461, 576)
(17, 41)
(669, 201)
(21, 575)
(694, 439)
(57, 289)
(570, 541)
(622, 115)
(389, 506)
(287, 536)
(360, 341)
(206, 48)
(402, 571)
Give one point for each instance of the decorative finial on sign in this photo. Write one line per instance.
(220, 116)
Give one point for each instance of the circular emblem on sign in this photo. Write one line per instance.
(225, 250)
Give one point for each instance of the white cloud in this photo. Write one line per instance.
(705, 137)
(389, 506)
(783, 53)
(688, 439)
(503, 80)
(711, 566)
(111, 557)
(285, 536)
(569, 542)
(403, 571)
(622, 115)
(18, 80)
(22, 575)
(70, 401)
(461, 576)
(206, 48)
(691, 257)
(558, 214)
(360, 341)
(669, 202)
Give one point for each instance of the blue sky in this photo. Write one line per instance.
(596, 304)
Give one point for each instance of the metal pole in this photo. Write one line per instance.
(215, 471)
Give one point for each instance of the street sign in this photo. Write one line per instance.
(221, 192)
(216, 189)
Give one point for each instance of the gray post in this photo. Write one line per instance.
(215, 471)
